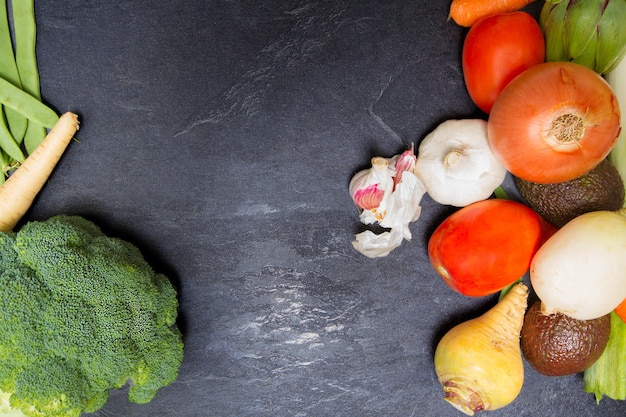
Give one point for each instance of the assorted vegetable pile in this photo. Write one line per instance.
(81, 313)
(550, 90)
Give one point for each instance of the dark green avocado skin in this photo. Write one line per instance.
(601, 188)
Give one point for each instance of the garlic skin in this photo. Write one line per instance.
(388, 193)
(375, 245)
(456, 163)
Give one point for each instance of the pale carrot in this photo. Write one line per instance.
(467, 12)
(620, 310)
(19, 191)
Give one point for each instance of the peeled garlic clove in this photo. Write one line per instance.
(369, 197)
(368, 187)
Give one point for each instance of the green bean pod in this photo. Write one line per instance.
(30, 107)
(8, 143)
(8, 70)
(25, 31)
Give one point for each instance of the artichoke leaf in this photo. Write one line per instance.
(582, 18)
(552, 20)
(587, 56)
(611, 37)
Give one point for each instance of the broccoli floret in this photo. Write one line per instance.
(81, 313)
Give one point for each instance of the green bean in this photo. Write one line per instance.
(8, 70)
(8, 66)
(5, 162)
(27, 105)
(6, 165)
(25, 31)
(8, 144)
(35, 134)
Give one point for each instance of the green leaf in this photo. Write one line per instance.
(607, 376)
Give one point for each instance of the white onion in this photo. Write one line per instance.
(581, 270)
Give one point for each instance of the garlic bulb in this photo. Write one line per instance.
(388, 193)
(456, 163)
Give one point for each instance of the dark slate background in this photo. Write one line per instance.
(220, 137)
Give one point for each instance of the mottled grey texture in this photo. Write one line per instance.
(220, 136)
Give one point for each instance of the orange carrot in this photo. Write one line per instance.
(620, 310)
(19, 191)
(467, 12)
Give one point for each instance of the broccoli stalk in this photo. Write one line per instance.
(81, 313)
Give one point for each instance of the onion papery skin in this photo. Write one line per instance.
(520, 126)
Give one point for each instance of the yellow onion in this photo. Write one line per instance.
(587, 32)
(479, 362)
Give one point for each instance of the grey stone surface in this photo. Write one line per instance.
(220, 136)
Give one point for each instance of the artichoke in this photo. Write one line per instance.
(588, 32)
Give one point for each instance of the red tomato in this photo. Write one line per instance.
(496, 49)
(485, 246)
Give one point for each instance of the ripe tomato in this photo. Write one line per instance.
(485, 246)
(495, 50)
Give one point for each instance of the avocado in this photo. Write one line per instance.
(557, 345)
(601, 188)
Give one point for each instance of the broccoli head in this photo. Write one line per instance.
(81, 313)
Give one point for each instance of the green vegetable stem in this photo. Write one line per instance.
(607, 376)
